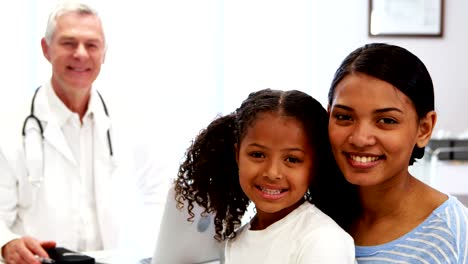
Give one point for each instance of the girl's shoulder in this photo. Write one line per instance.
(323, 240)
(314, 222)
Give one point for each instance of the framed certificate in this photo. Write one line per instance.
(412, 18)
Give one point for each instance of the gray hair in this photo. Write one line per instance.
(65, 7)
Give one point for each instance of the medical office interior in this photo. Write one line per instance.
(172, 66)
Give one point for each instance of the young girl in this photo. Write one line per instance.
(381, 105)
(274, 151)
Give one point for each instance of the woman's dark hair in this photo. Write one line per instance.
(396, 66)
(209, 175)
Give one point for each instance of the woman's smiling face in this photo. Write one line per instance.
(373, 129)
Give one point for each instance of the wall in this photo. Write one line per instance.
(172, 66)
(339, 30)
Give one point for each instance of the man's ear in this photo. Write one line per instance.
(104, 55)
(45, 49)
(425, 128)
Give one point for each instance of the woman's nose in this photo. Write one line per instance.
(362, 136)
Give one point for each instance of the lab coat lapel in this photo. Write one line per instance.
(102, 124)
(52, 132)
(104, 179)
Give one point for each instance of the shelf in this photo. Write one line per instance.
(449, 149)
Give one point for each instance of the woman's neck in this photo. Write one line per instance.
(387, 199)
(392, 211)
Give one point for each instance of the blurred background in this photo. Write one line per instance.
(173, 65)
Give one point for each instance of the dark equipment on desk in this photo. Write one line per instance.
(449, 149)
(64, 256)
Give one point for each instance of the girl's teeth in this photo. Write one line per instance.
(271, 191)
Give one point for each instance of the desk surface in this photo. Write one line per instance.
(101, 256)
(108, 257)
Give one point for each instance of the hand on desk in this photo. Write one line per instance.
(23, 250)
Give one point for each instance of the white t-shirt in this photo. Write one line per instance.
(306, 235)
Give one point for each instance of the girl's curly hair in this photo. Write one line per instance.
(209, 175)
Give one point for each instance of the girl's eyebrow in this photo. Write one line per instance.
(256, 145)
(295, 149)
(286, 149)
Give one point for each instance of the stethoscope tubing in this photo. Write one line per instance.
(33, 117)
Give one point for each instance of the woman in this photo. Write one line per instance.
(381, 108)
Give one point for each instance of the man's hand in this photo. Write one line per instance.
(23, 250)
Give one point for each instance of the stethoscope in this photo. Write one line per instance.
(35, 156)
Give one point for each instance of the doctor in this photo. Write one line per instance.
(65, 183)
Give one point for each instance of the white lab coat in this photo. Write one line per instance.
(129, 189)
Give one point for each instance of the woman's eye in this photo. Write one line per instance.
(342, 117)
(387, 121)
(257, 155)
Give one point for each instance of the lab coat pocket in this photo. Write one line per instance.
(27, 193)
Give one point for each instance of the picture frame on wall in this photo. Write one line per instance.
(406, 18)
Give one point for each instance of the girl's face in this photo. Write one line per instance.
(373, 129)
(275, 162)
